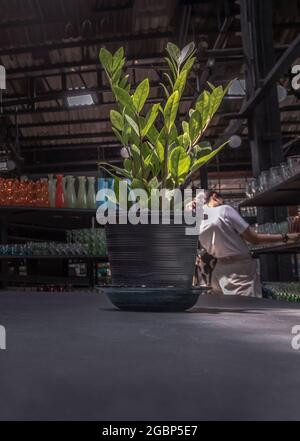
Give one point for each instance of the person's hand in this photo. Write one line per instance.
(191, 206)
(293, 237)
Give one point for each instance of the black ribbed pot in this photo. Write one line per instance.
(151, 256)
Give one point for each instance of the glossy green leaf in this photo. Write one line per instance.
(170, 110)
(180, 83)
(150, 119)
(116, 120)
(195, 125)
(118, 135)
(160, 150)
(172, 67)
(167, 93)
(117, 58)
(204, 159)
(216, 98)
(173, 51)
(141, 94)
(189, 64)
(152, 135)
(127, 165)
(106, 59)
(169, 79)
(133, 124)
(123, 97)
(186, 52)
(179, 162)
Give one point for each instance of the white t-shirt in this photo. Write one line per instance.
(220, 232)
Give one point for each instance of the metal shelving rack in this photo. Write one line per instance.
(66, 218)
(286, 193)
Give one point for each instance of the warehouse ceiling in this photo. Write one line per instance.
(50, 52)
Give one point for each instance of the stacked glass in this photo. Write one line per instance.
(93, 239)
(289, 291)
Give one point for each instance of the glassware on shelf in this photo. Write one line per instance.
(64, 186)
(91, 195)
(254, 187)
(52, 189)
(248, 189)
(71, 194)
(285, 171)
(94, 239)
(294, 164)
(275, 175)
(264, 181)
(289, 291)
(82, 196)
(59, 196)
(42, 193)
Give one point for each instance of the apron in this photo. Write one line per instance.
(236, 275)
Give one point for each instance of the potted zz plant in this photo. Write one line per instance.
(153, 264)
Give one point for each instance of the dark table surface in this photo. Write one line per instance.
(75, 357)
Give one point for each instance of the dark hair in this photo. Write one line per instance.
(209, 194)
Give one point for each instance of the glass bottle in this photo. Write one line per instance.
(82, 197)
(70, 192)
(52, 190)
(91, 196)
(59, 196)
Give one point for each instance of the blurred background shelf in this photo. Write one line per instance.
(293, 248)
(283, 194)
(73, 257)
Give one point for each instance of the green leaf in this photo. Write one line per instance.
(153, 163)
(169, 79)
(203, 106)
(172, 67)
(165, 90)
(170, 110)
(197, 164)
(195, 125)
(118, 72)
(160, 150)
(133, 124)
(150, 119)
(201, 150)
(123, 81)
(137, 183)
(154, 183)
(123, 98)
(136, 156)
(180, 82)
(216, 99)
(153, 135)
(173, 51)
(118, 135)
(186, 140)
(186, 52)
(117, 58)
(141, 94)
(117, 120)
(105, 166)
(179, 162)
(189, 64)
(185, 127)
(106, 59)
(128, 165)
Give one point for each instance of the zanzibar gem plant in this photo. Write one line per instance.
(161, 155)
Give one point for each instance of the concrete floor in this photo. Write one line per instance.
(75, 357)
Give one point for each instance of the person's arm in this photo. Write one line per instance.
(255, 238)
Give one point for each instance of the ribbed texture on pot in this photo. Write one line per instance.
(151, 255)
